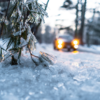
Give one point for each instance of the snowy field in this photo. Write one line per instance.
(73, 76)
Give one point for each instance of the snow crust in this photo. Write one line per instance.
(73, 76)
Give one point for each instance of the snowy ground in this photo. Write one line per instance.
(74, 76)
(93, 49)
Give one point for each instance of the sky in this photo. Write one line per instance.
(67, 18)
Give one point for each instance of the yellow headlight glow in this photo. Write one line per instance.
(75, 46)
(60, 41)
(75, 42)
(59, 46)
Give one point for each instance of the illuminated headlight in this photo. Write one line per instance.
(59, 46)
(75, 46)
(60, 41)
(75, 42)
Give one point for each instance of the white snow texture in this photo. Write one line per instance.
(71, 77)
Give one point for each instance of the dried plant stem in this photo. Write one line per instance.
(33, 56)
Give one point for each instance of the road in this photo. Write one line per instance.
(80, 49)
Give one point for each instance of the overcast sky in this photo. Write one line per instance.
(68, 16)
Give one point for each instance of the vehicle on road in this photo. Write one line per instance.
(66, 41)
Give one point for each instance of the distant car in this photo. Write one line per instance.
(66, 41)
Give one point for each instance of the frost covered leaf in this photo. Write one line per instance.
(18, 33)
(6, 22)
(9, 43)
(47, 57)
(31, 41)
(11, 10)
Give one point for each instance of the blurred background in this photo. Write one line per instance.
(79, 18)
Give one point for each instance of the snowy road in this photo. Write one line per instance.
(74, 76)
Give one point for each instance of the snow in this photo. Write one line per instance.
(73, 76)
(91, 48)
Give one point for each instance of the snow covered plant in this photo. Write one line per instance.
(17, 25)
